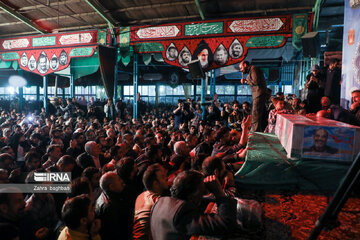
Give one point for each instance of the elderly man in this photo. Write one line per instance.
(181, 155)
(179, 216)
(112, 208)
(93, 149)
(257, 83)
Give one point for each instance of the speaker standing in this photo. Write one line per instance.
(257, 83)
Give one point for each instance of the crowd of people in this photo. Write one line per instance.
(167, 175)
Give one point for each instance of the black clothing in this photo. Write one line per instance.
(332, 85)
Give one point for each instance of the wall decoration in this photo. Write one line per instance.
(24, 60)
(44, 41)
(15, 43)
(10, 56)
(236, 50)
(204, 28)
(76, 38)
(299, 29)
(158, 32)
(230, 35)
(54, 62)
(43, 63)
(32, 63)
(204, 54)
(47, 61)
(351, 52)
(184, 56)
(256, 25)
(265, 41)
(171, 52)
(221, 55)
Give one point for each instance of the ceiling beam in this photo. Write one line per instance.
(20, 17)
(198, 6)
(101, 11)
(275, 10)
(53, 18)
(163, 20)
(58, 30)
(159, 5)
(52, 4)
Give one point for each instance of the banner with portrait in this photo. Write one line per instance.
(328, 143)
(351, 51)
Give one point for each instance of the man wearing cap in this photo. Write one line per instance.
(257, 83)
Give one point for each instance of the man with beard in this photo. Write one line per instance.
(184, 57)
(79, 218)
(355, 106)
(204, 54)
(320, 139)
(12, 206)
(257, 83)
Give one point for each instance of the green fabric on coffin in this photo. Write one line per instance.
(266, 167)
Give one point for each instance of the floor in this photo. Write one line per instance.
(293, 216)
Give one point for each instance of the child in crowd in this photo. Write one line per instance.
(279, 108)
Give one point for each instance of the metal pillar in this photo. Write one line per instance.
(203, 94)
(116, 77)
(212, 84)
(21, 99)
(63, 94)
(157, 94)
(37, 93)
(72, 86)
(122, 92)
(195, 92)
(236, 90)
(45, 84)
(135, 85)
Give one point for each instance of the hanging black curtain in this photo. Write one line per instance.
(107, 61)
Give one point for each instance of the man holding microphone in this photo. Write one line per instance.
(257, 83)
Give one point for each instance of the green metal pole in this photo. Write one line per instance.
(135, 85)
(45, 84)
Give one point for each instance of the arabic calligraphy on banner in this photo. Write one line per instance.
(204, 28)
(256, 25)
(51, 40)
(158, 32)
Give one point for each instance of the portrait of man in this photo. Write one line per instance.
(54, 62)
(43, 63)
(171, 52)
(320, 146)
(63, 59)
(236, 50)
(221, 55)
(24, 60)
(32, 63)
(184, 56)
(204, 54)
